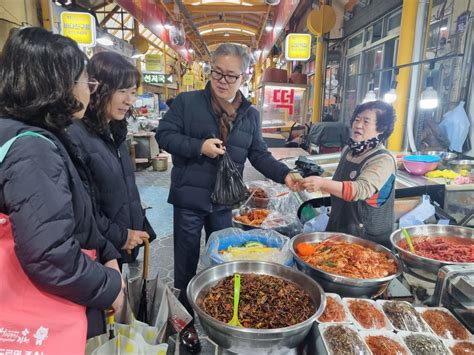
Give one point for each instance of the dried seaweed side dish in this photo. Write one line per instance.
(382, 345)
(462, 348)
(366, 314)
(404, 317)
(342, 340)
(334, 311)
(266, 302)
(445, 325)
(421, 344)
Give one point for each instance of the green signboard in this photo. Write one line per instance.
(154, 79)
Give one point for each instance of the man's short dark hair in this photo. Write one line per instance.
(38, 70)
(169, 101)
(385, 115)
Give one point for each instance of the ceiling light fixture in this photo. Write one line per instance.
(226, 34)
(370, 96)
(269, 25)
(167, 24)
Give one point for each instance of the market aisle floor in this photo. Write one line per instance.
(154, 187)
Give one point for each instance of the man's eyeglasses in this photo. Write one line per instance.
(93, 85)
(229, 79)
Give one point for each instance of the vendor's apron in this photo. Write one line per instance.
(358, 217)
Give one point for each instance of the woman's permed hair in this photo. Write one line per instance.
(38, 70)
(233, 50)
(384, 113)
(113, 72)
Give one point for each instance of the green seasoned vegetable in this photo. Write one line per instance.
(254, 244)
(330, 263)
(421, 344)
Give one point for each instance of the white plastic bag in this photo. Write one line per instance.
(419, 214)
(318, 223)
(455, 125)
(132, 344)
(234, 237)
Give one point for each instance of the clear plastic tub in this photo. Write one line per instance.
(460, 347)
(424, 343)
(368, 315)
(342, 339)
(442, 322)
(334, 307)
(403, 316)
(399, 348)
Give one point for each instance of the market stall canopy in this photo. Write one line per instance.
(203, 23)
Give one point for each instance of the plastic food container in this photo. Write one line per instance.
(342, 339)
(424, 343)
(402, 349)
(420, 164)
(333, 300)
(370, 309)
(442, 323)
(403, 316)
(460, 347)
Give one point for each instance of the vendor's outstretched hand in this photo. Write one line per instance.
(292, 184)
(312, 183)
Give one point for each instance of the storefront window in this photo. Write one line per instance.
(350, 93)
(356, 40)
(394, 21)
(372, 61)
(377, 33)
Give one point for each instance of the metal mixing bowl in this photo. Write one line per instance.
(247, 340)
(424, 267)
(458, 165)
(445, 156)
(344, 286)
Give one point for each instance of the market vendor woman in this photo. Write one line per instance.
(362, 188)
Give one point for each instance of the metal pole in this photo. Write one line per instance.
(318, 71)
(404, 55)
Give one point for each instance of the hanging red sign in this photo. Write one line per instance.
(284, 98)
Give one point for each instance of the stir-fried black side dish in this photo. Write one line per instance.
(266, 302)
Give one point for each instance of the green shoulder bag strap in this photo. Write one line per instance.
(6, 147)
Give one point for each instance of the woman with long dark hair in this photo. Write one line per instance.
(99, 140)
(43, 85)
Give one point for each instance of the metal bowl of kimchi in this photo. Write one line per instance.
(210, 293)
(344, 264)
(435, 246)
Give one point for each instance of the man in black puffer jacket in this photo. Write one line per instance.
(189, 132)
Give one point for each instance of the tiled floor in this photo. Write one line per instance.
(153, 187)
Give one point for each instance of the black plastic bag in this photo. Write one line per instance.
(230, 188)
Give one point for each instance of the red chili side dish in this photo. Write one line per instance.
(382, 345)
(446, 248)
(366, 314)
(334, 312)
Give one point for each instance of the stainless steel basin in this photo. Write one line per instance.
(247, 340)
